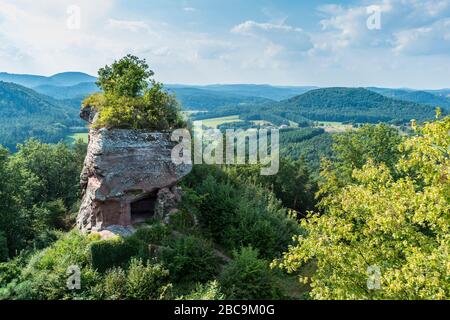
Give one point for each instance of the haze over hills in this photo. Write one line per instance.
(193, 98)
(252, 90)
(59, 79)
(420, 96)
(79, 90)
(73, 87)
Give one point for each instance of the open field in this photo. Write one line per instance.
(76, 136)
(333, 127)
(215, 122)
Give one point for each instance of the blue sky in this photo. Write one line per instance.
(323, 43)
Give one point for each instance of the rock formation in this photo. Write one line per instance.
(128, 177)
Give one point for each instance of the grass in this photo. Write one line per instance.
(215, 122)
(71, 139)
(293, 124)
(333, 127)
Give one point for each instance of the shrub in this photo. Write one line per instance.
(236, 214)
(113, 253)
(146, 281)
(45, 274)
(189, 258)
(248, 278)
(113, 286)
(208, 291)
(153, 234)
(260, 221)
(139, 282)
(4, 255)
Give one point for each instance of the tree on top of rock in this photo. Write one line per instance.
(127, 77)
(132, 99)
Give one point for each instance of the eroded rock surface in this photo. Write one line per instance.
(128, 176)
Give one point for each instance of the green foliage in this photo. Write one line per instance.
(311, 151)
(4, 252)
(208, 291)
(141, 281)
(37, 186)
(190, 258)
(247, 277)
(127, 77)
(357, 105)
(236, 213)
(153, 234)
(25, 114)
(378, 143)
(129, 102)
(292, 185)
(113, 253)
(45, 275)
(397, 223)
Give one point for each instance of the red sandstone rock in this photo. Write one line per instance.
(128, 176)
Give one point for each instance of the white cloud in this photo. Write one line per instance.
(290, 38)
(407, 26)
(432, 39)
(34, 38)
(133, 26)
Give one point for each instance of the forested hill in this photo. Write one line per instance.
(201, 99)
(59, 79)
(24, 113)
(356, 105)
(422, 97)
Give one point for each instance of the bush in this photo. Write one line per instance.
(189, 258)
(260, 222)
(45, 274)
(236, 214)
(146, 281)
(153, 234)
(208, 291)
(140, 282)
(4, 255)
(249, 278)
(117, 252)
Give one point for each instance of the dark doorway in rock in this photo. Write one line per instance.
(143, 209)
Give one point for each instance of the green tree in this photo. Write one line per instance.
(248, 277)
(133, 99)
(38, 185)
(127, 77)
(353, 149)
(398, 225)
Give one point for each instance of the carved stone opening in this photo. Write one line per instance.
(143, 208)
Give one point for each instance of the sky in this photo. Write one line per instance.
(389, 43)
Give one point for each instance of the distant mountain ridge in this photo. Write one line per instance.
(418, 96)
(356, 105)
(80, 90)
(59, 79)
